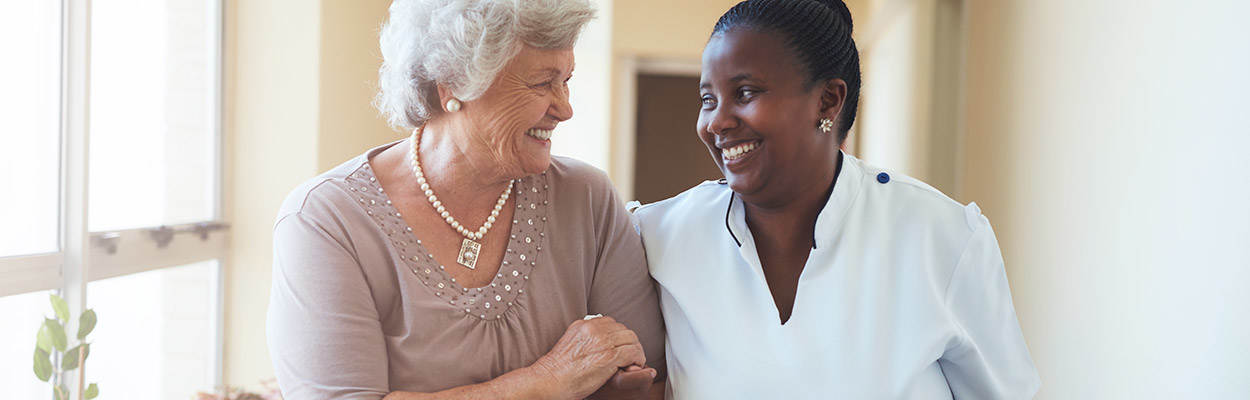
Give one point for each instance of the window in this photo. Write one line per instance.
(110, 167)
(168, 324)
(153, 131)
(30, 140)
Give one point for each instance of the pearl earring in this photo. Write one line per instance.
(826, 125)
(453, 105)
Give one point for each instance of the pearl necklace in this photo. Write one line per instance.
(469, 248)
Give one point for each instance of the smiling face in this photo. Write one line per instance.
(511, 123)
(759, 117)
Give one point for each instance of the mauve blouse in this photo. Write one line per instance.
(358, 308)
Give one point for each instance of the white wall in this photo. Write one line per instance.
(1106, 142)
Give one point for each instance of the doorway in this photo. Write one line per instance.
(669, 157)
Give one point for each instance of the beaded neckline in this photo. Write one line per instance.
(526, 242)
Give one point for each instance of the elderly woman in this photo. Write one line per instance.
(806, 273)
(465, 261)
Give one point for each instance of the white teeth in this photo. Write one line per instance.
(540, 134)
(738, 151)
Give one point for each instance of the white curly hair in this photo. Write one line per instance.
(462, 45)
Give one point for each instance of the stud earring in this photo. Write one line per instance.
(453, 105)
(826, 125)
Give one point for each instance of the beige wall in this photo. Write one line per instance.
(272, 59)
(894, 123)
(665, 29)
(350, 58)
(1105, 141)
(909, 111)
(676, 29)
(299, 80)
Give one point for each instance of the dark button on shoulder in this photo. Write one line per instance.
(722, 181)
(883, 177)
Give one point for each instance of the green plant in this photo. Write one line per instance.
(53, 356)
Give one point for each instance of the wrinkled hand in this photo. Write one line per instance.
(633, 382)
(591, 352)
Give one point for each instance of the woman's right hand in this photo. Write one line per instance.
(589, 353)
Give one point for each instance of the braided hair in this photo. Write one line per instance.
(817, 31)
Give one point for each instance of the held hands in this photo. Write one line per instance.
(593, 352)
(632, 382)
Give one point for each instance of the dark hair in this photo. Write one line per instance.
(819, 34)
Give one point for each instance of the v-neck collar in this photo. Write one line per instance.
(827, 233)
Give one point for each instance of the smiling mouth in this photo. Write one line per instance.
(739, 151)
(540, 134)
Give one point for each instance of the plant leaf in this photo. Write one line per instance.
(58, 305)
(92, 392)
(44, 339)
(43, 365)
(57, 332)
(70, 360)
(86, 323)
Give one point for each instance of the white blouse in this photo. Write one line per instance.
(903, 296)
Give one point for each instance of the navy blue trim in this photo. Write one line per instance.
(837, 171)
(727, 228)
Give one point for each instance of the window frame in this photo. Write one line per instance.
(84, 256)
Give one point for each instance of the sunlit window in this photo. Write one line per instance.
(30, 76)
(156, 332)
(153, 138)
(110, 169)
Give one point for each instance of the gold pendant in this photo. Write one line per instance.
(468, 253)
